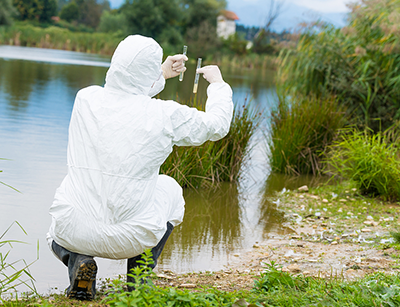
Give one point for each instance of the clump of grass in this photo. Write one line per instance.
(10, 275)
(276, 288)
(396, 236)
(370, 159)
(215, 162)
(301, 129)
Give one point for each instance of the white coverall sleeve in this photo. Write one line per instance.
(192, 127)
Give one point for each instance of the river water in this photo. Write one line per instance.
(37, 90)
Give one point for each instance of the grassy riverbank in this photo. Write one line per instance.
(340, 253)
(53, 37)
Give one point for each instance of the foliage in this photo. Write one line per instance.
(59, 38)
(276, 288)
(263, 43)
(359, 64)
(154, 18)
(396, 236)
(236, 44)
(145, 294)
(215, 161)
(197, 12)
(301, 129)
(90, 12)
(202, 40)
(70, 12)
(113, 22)
(10, 275)
(41, 10)
(6, 13)
(371, 160)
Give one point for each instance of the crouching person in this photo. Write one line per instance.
(113, 203)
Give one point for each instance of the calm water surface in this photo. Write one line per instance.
(37, 90)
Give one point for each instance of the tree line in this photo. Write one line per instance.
(170, 22)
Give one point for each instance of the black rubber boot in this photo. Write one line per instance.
(82, 272)
(156, 252)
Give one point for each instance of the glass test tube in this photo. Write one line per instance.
(184, 53)
(196, 78)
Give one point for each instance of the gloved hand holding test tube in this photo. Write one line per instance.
(196, 78)
(184, 53)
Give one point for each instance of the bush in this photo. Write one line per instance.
(215, 162)
(371, 160)
(358, 64)
(301, 129)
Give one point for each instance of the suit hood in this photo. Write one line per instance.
(136, 67)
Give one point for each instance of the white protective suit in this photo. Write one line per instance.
(113, 203)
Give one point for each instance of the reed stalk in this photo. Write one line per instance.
(215, 162)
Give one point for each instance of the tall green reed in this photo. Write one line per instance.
(371, 160)
(215, 162)
(21, 34)
(358, 64)
(13, 273)
(301, 129)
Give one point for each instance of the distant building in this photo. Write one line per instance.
(226, 25)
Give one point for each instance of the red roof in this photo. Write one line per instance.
(229, 15)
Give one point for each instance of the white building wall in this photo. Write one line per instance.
(225, 27)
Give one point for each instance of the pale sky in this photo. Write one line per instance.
(326, 6)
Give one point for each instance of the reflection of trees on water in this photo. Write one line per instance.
(20, 79)
(212, 217)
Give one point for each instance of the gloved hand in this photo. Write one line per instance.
(211, 73)
(173, 65)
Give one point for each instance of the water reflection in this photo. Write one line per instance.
(36, 100)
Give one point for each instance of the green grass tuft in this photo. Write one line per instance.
(371, 160)
(215, 162)
(301, 129)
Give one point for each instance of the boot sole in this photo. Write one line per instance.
(82, 287)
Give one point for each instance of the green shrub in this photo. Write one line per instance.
(359, 64)
(371, 160)
(215, 162)
(301, 129)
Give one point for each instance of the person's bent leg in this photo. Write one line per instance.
(155, 251)
(82, 272)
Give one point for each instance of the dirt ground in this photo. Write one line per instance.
(334, 235)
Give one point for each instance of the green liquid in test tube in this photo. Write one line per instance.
(184, 53)
(196, 78)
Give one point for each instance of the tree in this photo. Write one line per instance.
(70, 12)
(6, 12)
(154, 18)
(90, 12)
(198, 11)
(41, 10)
(261, 43)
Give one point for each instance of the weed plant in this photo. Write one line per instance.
(146, 294)
(301, 129)
(215, 162)
(358, 64)
(277, 288)
(371, 160)
(11, 276)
